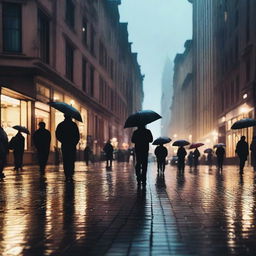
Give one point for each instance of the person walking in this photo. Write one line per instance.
(17, 144)
(68, 134)
(220, 152)
(196, 155)
(253, 152)
(161, 153)
(108, 149)
(190, 159)
(181, 154)
(209, 158)
(42, 140)
(3, 151)
(242, 150)
(141, 138)
(87, 154)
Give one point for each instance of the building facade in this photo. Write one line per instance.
(72, 51)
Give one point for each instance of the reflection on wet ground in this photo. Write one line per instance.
(200, 212)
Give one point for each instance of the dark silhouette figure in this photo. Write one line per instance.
(17, 144)
(253, 152)
(196, 155)
(209, 158)
(87, 154)
(68, 134)
(242, 150)
(220, 153)
(42, 140)
(181, 154)
(141, 138)
(3, 151)
(108, 149)
(190, 159)
(161, 153)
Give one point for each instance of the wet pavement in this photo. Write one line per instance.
(102, 212)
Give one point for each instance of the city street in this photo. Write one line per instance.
(203, 212)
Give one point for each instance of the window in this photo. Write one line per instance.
(84, 74)
(248, 70)
(12, 27)
(44, 36)
(69, 61)
(70, 13)
(92, 48)
(248, 18)
(92, 81)
(84, 32)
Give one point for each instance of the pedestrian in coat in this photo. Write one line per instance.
(196, 155)
(141, 138)
(242, 150)
(161, 153)
(253, 152)
(42, 141)
(190, 159)
(108, 149)
(17, 144)
(68, 134)
(3, 151)
(181, 154)
(87, 154)
(220, 153)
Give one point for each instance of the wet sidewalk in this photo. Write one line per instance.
(202, 212)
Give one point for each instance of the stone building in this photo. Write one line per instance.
(72, 51)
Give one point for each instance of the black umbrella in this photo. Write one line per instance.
(67, 109)
(180, 143)
(161, 140)
(141, 118)
(208, 150)
(21, 128)
(219, 145)
(244, 123)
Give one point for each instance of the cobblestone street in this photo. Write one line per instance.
(203, 212)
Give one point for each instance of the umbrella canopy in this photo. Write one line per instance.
(67, 109)
(161, 140)
(180, 143)
(141, 118)
(219, 145)
(21, 128)
(196, 145)
(208, 150)
(244, 123)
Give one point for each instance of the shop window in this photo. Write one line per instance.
(12, 29)
(43, 91)
(42, 114)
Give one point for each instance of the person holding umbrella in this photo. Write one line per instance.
(242, 150)
(220, 152)
(190, 159)
(108, 149)
(3, 151)
(196, 155)
(181, 158)
(42, 140)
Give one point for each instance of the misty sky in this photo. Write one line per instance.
(158, 29)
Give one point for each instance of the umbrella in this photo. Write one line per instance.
(141, 118)
(196, 145)
(208, 150)
(66, 109)
(21, 128)
(161, 140)
(243, 123)
(180, 143)
(219, 145)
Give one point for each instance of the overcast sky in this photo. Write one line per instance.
(158, 29)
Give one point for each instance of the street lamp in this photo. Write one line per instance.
(245, 96)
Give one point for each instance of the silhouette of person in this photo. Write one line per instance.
(242, 150)
(68, 134)
(42, 140)
(17, 144)
(220, 152)
(3, 151)
(209, 158)
(190, 159)
(108, 149)
(253, 152)
(196, 155)
(161, 153)
(141, 138)
(87, 154)
(181, 154)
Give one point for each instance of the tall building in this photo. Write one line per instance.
(72, 51)
(166, 99)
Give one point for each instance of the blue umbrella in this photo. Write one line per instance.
(180, 143)
(243, 123)
(66, 109)
(141, 118)
(161, 140)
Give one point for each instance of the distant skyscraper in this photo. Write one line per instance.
(167, 92)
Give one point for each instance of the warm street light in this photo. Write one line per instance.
(245, 96)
